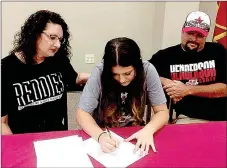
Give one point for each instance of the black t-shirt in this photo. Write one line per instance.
(202, 68)
(34, 96)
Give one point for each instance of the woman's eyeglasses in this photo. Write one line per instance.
(54, 38)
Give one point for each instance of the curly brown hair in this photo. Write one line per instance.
(25, 40)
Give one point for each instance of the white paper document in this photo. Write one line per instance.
(61, 152)
(123, 156)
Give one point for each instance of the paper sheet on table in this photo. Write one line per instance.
(61, 152)
(123, 156)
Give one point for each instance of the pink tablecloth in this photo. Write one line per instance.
(194, 145)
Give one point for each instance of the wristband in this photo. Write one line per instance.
(100, 135)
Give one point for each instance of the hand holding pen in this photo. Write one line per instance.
(107, 142)
(108, 131)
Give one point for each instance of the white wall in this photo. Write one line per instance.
(153, 25)
(210, 8)
(158, 27)
(175, 15)
(91, 25)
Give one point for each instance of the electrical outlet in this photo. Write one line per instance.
(89, 58)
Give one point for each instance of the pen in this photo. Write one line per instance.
(108, 131)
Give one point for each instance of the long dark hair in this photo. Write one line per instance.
(25, 40)
(123, 52)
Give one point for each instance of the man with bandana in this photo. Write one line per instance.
(193, 73)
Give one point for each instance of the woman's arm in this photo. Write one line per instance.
(5, 127)
(145, 136)
(159, 119)
(82, 77)
(88, 102)
(85, 120)
(88, 124)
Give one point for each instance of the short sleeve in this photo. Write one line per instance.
(160, 63)
(70, 74)
(90, 96)
(221, 66)
(154, 87)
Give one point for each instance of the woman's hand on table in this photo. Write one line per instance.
(144, 140)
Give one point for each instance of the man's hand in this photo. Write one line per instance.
(175, 100)
(177, 90)
(166, 81)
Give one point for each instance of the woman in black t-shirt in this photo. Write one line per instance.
(35, 76)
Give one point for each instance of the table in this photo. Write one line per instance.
(190, 145)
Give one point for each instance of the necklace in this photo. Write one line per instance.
(123, 97)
